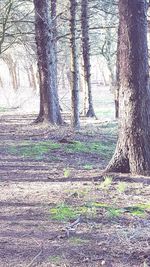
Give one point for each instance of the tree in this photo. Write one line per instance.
(12, 66)
(16, 23)
(132, 152)
(46, 56)
(86, 54)
(116, 86)
(74, 64)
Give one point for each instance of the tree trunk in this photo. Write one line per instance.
(74, 65)
(49, 103)
(32, 77)
(133, 148)
(1, 82)
(12, 66)
(86, 55)
(117, 74)
(55, 74)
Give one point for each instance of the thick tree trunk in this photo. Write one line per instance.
(133, 148)
(74, 65)
(49, 103)
(86, 55)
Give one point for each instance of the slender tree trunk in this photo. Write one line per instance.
(28, 74)
(55, 74)
(33, 80)
(31, 77)
(18, 75)
(74, 65)
(86, 55)
(117, 74)
(133, 148)
(1, 82)
(49, 103)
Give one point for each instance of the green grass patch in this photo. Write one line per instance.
(104, 148)
(113, 212)
(32, 150)
(63, 212)
(66, 213)
(144, 206)
(138, 210)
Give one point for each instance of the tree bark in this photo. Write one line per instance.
(74, 65)
(86, 55)
(55, 74)
(117, 74)
(49, 103)
(133, 147)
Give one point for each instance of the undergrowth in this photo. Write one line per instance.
(33, 150)
(64, 212)
(104, 148)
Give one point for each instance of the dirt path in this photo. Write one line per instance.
(35, 181)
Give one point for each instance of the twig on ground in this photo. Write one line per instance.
(72, 227)
(35, 258)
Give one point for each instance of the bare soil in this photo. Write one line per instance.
(30, 187)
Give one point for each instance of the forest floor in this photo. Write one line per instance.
(57, 206)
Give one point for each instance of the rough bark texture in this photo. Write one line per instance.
(133, 148)
(54, 32)
(74, 65)
(86, 55)
(49, 103)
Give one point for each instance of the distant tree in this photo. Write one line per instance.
(46, 56)
(133, 147)
(12, 66)
(74, 64)
(86, 54)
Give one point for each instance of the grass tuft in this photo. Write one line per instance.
(63, 212)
